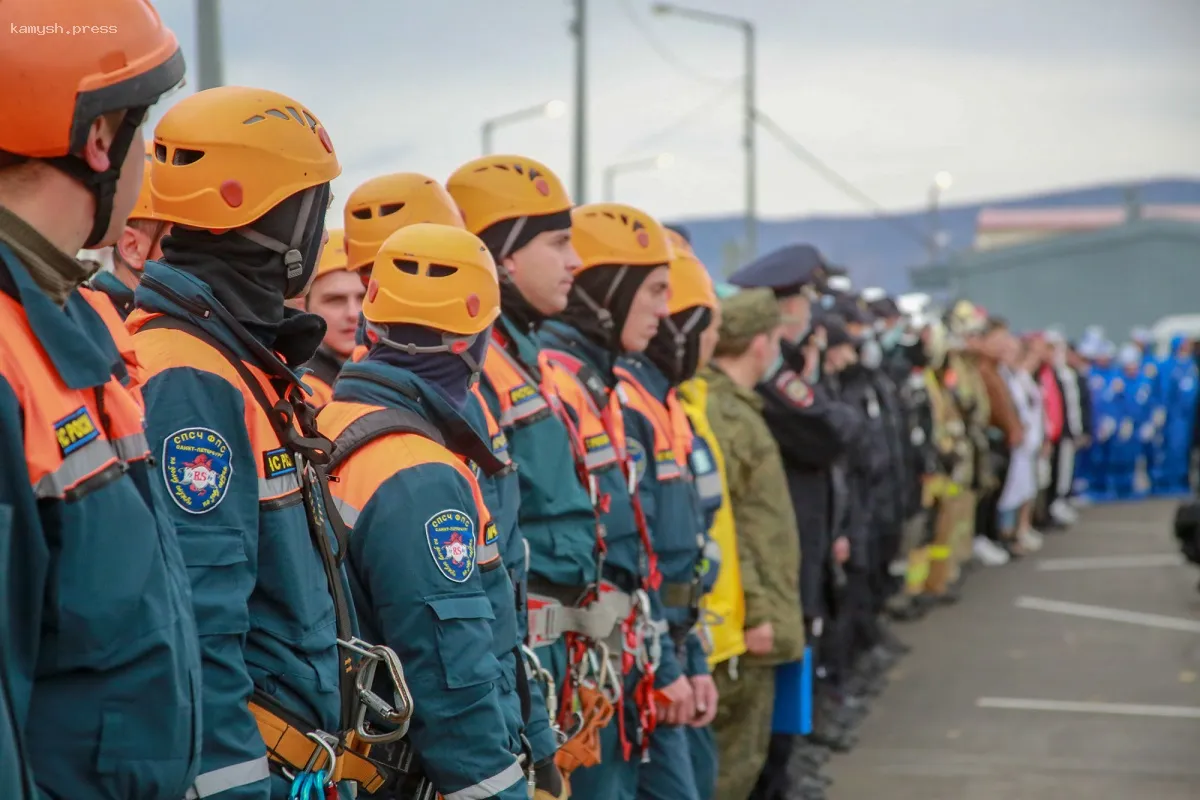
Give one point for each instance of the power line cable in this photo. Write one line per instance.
(685, 119)
(837, 180)
(663, 51)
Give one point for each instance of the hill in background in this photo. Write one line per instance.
(880, 251)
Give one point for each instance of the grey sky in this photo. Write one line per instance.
(1008, 95)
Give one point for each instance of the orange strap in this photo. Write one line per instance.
(289, 746)
(583, 749)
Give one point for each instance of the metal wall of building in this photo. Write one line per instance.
(1118, 278)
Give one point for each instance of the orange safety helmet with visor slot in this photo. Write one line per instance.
(50, 95)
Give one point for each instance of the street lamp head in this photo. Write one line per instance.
(555, 109)
(943, 180)
(664, 161)
(662, 9)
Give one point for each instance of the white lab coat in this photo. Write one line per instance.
(1021, 484)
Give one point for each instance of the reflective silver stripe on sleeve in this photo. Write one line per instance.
(132, 447)
(348, 513)
(489, 787)
(486, 553)
(269, 488)
(528, 406)
(669, 471)
(708, 485)
(78, 465)
(234, 776)
(600, 457)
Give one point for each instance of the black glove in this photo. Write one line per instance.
(548, 778)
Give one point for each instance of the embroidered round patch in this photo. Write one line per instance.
(638, 454)
(197, 466)
(451, 537)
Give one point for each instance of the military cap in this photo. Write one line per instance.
(785, 271)
(745, 315)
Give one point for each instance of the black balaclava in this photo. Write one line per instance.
(675, 349)
(247, 277)
(507, 237)
(611, 287)
(449, 373)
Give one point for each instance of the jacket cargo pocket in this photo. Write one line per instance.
(220, 576)
(146, 750)
(464, 639)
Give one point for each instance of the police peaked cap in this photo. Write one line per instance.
(785, 271)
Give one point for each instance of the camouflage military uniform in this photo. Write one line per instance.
(768, 547)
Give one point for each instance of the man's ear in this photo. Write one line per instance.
(133, 246)
(508, 265)
(99, 140)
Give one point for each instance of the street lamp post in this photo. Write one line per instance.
(751, 168)
(661, 161)
(551, 110)
(941, 182)
(208, 44)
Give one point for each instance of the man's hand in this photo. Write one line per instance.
(841, 550)
(704, 689)
(760, 641)
(683, 704)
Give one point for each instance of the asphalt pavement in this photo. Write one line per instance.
(1072, 673)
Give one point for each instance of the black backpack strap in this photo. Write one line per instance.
(312, 482)
(461, 440)
(376, 424)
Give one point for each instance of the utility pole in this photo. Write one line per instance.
(579, 31)
(751, 150)
(208, 43)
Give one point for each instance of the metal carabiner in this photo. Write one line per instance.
(397, 714)
(327, 742)
(609, 682)
(544, 677)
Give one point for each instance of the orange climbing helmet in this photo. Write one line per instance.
(224, 157)
(436, 276)
(121, 57)
(691, 285)
(333, 255)
(617, 234)
(383, 205)
(494, 189)
(144, 208)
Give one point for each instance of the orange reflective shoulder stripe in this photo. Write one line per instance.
(165, 348)
(103, 306)
(496, 438)
(318, 391)
(520, 396)
(381, 458)
(670, 450)
(73, 439)
(612, 425)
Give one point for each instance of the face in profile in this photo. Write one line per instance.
(649, 308)
(543, 270)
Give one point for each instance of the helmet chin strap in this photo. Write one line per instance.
(451, 343)
(601, 309)
(679, 335)
(293, 259)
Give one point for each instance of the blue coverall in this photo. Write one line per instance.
(614, 778)
(263, 606)
(1128, 403)
(99, 667)
(1179, 382)
(120, 294)
(432, 610)
(502, 495)
(1104, 428)
(677, 527)
(556, 518)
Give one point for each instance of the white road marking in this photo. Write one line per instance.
(1109, 614)
(1119, 709)
(1109, 562)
